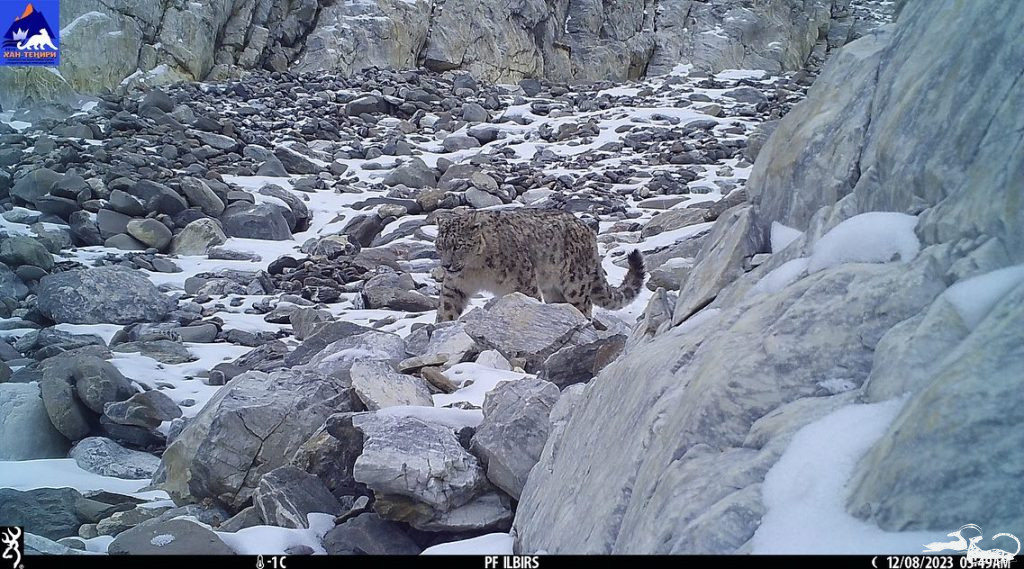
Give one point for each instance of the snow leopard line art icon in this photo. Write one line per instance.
(41, 40)
(969, 545)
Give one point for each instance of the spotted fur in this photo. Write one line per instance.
(532, 251)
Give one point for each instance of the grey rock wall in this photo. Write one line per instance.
(138, 43)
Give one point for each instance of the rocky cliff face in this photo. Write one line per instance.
(113, 45)
(692, 419)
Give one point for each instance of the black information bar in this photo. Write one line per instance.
(517, 561)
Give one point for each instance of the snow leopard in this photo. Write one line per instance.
(533, 251)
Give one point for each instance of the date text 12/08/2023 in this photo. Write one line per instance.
(938, 562)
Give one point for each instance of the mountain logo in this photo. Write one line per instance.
(30, 39)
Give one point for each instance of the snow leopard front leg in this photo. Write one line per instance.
(454, 298)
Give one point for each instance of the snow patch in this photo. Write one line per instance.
(874, 237)
(805, 492)
(162, 539)
(782, 236)
(65, 473)
(975, 297)
(490, 544)
(273, 540)
(780, 277)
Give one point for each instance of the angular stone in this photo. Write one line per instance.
(26, 432)
(97, 382)
(286, 495)
(294, 162)
(49, 512)
(200, 195)
(417, 471)
(150, 232)
(582, 359)
(198, 237)
(368, 534)
(262, 221)
(413, 174)
(325, 335)
(522, 327)
(67, 414)
(330, 454)
(147, 409)
(252, 425)
(378, 385)
(17, 251)
(338, 357)
(107, 458)
(515, 427)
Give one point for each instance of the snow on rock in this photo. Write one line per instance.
(780, 277)
(874, 237)
(974, 298)
(273, 540)
(782, 236)
(805, 491)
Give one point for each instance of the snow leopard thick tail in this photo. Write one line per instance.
(614, 298)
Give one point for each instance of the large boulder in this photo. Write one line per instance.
(378, 385)
(26, 432)
(150, 232)
(836, 120)
(107, 458)
(97, 382)
(286, 495)
(368, 534)
(522, 327)
(112, 295)
(67, 413)
(35, 185)
(253, 425)
(255, 221)
(197, 237)
(147, 409)
(172, 537)
(515, 427)
(337, 358)
(49, 512)
(981, 372)
(18, 251)
(200, 195)
(413, 174)
(421, 475)
(330, 454)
